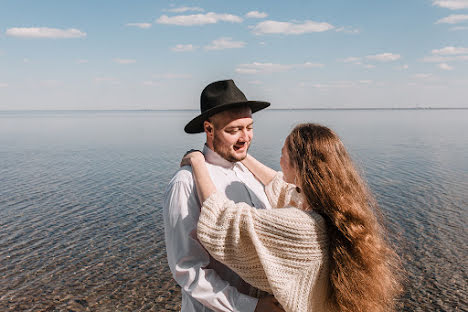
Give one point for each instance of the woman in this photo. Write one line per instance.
(324, 250)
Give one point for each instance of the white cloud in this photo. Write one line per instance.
(444, 59)
(451, 4)
(352, 59)
(3, 85)
(384, 57)
(256, 68)
(311, 65)
(151, 83)
(185, 9)
(184, 48)
(445, 66)
(256, 14)
(44, 32)
(259, 68)
(453, 19)
(369, 66)
(287, 28)
(422, 76)
(139, 25)
(459, 28)
(365, 82)
(82, 61)
(106, 80)
(198, 19)
(450, 51)
(124, 61)
(26, 60)
(403, 67)
(348, 30)
(224, 43)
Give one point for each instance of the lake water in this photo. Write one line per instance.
(80, 201)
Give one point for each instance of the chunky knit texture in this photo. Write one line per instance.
(281, 251)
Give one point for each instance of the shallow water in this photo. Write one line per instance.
(80, 201)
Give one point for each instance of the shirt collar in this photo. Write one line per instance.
(214, 158)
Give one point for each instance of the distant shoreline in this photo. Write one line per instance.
(270, 109)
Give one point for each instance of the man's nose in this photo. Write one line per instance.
(244, 136)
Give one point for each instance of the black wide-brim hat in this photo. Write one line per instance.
(217, 97)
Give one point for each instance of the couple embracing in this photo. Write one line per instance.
(243, 237)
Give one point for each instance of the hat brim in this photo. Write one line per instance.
(196, 124)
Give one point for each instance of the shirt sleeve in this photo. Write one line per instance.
(187, 258)
(262, 246)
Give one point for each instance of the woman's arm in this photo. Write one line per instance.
(263, 173)
(205, 186)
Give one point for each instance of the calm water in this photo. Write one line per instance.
(80, 201)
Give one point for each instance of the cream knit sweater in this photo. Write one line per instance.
(281, 251)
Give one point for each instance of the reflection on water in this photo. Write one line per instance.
(80, 201)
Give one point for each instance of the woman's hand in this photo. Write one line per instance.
(191, 156)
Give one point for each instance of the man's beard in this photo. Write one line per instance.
(225, 152)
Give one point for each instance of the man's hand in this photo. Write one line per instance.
(268, 304)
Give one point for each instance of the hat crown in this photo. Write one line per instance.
(220, 93)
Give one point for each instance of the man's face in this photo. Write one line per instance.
(232, 133)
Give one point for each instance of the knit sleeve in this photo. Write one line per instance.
(267, 248)
(281, 194)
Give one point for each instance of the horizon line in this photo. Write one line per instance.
(269, 109)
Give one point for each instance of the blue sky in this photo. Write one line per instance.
(295, 54)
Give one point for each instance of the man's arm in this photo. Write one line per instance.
(188, 259)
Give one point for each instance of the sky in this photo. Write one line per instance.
(79, 54)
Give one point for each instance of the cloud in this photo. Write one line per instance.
(139, 25)
(287, 28)
(106, 80)
(184, 48)
(348, 30)
(369, 66)
(352, 59)
(453, 19)
(124, 61)
(384, 57)
(3, 85)
(82, 61)
(256, 14)
(50, 83)
(444, 59)
(450, 51)
(459, 28)
(403, 67)
(198, 19)
(259, 68)
(224, 43)
(451, 4)
(422, 76)
(445, 66)
(185, 9)
(44, 32)
(151, 83)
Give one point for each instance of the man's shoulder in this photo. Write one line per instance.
(183, 175)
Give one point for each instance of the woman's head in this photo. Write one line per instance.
(362, 266)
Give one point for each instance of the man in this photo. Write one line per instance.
(207, 285)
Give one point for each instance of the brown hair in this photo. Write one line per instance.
(363, 267)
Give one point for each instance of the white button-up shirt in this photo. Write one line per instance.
(207, 285)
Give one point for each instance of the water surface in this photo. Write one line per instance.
(80, 201)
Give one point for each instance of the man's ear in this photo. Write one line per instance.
(208, 127)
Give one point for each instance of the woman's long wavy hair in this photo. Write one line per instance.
(363, 268)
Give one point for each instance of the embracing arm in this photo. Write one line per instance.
(263, 173)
